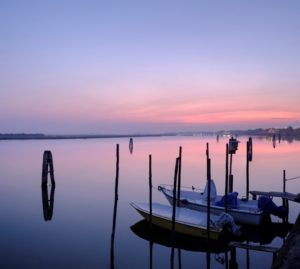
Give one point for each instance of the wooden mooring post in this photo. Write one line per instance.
(248, 160)
(285, 202)
(208, 168)
(150, 189)
(150, 207)
(131, 145)
(112, 264)
(226, 179)
(208, 179)
(47, 168)
(174, 212)
(179, 176)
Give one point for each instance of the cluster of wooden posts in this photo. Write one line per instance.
(48, 169)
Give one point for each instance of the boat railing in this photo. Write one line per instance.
(182, 188)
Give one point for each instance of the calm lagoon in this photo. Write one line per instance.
(78, 235)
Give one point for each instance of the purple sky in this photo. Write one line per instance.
(148, 66)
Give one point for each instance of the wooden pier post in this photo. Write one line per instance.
(174, 211)
(226, 179)
(230, 183)
(247, 171)
(208, 198)
(208, 182)
(249, 159)
(230, 174)
(174, 195)
(150, 206)
(47, 168)
(150, 189)
(131, 145)
(179, 177)
(207, 157)
(112, 265)
(285, 201)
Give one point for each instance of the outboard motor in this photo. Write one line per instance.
(266, 204)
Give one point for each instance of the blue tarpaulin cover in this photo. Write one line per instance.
(232, 200)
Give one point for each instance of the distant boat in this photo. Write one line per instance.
(188, 222)
(243, 211)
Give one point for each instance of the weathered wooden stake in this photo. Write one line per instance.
(130, 145)
(230, 174)
(230, 183)
(247, 171)
(47, 168)
(207, 157)
(174, 211)
(179, 177)
(226, 179)
(285, 201)
(208, 198)
(112, 265)
(150, 189)
(207, 150)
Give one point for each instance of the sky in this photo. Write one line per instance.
(70, 66)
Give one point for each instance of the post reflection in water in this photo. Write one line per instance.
(163, 237)
(48, 204)
(225, 250)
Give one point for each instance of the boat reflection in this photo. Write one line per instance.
(48, 204)
(186, 242)
(266, 233)
(256, 238)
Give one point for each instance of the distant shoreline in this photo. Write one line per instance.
(286, 134)
(59, 137)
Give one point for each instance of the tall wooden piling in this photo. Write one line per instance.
(174, 211)
(208, 197)
(226, 179)
(174, 195)
(248, 160)
(150, 207)
(247, 171)
(115, 210)
(285, 202)
(131, 145)
(230, 173)
(150, 189)
(47, 168)
(207, 157)
(179, 176)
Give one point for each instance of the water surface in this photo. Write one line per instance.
(78, 235)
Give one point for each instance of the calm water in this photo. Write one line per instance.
(79, 233)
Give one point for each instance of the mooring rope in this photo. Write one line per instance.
(292, 178)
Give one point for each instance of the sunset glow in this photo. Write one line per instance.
(138, 67)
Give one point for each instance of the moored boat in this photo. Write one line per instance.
(187, 221)
(243, 211)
